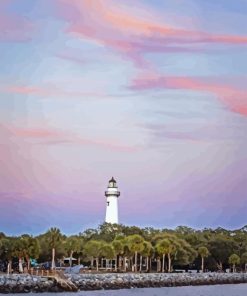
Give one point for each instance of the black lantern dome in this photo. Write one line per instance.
(112, 183)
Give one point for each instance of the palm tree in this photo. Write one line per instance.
(54, 238)
(174, 244)
(146, 252)
(203, 252)
(80, 251)
(163, 248)
(244, 260)
(107, 251)
(233, 260)
(31, 248)
(72, 244)
(19, 251)
(173, 247)
(126, 254)
(93, 250)
(118, 246)
(7, 252)
(135, 243)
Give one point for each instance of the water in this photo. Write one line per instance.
(218, 290)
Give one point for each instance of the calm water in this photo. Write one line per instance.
(220, 290)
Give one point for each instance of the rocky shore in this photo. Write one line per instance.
(146, 280)
(87, 282)
(16, 283)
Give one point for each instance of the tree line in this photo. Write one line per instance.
(130, 248)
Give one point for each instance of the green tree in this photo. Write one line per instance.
(54, 238)
(173, 247)
(31, 248)
(72, 245)
(221, 247)
(135, 243)
(131, 230)
(146, 252)
(234, 260)
(93, 250)
(7, 251)
(127, 253)
(89, 234)
(107, 251)
(118, 246)
(180, 251)
(244, 260)
(203, 252)
(19, 251)
(163, 248)
(79, 253)
(149, 232)
(108, 231)
(185, 253)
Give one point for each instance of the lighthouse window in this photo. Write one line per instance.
(108, 203)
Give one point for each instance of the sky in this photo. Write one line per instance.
(153, 93)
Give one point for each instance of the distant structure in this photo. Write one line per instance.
(112, 195)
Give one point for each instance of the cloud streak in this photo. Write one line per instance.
(132, 35)
(234, 98)
(50, 136)
(36, 133)
(49, 91)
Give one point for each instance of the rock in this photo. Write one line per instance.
(73, 282)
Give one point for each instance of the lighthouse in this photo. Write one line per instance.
(112, 195)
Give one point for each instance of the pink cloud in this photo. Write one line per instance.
(235, 99)
(112, 145)
(130, 33)
(26, 90)
(36, 133)
(49, 91)
(51, 136)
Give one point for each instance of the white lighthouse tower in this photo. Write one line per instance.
(112, 195)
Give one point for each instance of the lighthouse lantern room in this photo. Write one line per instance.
(112, 195)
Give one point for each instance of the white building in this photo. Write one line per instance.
(112, 195)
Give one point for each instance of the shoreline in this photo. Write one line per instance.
(17, 283)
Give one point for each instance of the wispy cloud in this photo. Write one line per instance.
(49, 91)
(234, 98)
(53, 91)
(51, 136)
(37, 133)
(203, 133)
(131, 34)
(24, 89)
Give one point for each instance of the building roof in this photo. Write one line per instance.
(68, 259)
